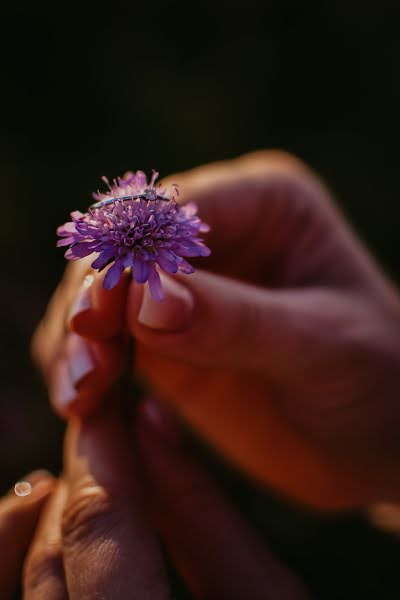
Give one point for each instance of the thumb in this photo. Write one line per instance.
(255, 371)
(211, 320)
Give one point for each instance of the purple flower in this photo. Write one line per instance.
(139, 226)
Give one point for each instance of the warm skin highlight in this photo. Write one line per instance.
(288, 358)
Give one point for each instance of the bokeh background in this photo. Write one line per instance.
(92, 89)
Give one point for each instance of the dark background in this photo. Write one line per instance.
(92, 89)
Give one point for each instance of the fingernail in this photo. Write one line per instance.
(161, 420)
(63, 391)
(79, 358)
(83, 300)
(31, 482)
(173, 312)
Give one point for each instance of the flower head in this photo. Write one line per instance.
(138, 225)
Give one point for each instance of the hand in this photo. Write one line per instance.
(94, 539)
(285, 355)
(18, 518)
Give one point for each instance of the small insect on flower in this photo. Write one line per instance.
(136, 225)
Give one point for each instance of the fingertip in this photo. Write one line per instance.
(171, 315)
(32, 487)
(84, 404)
(19, 516)
(97, 313)
(40, 490)
(80, 315)
(106, 301)
(40, 479)
(82, 378)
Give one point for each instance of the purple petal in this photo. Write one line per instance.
(171, 256)
(127, 261)
(113, 276)
(103, 258)
(66, 229)
(83, 249)
(69, 254)
(149, 237)
(76, 214)
(190, 209)
(191, 248)
(185, 267)
(155, 285)
(140, 270)
(170, 266)
(87, 230)
(204, 250)
(65, 241)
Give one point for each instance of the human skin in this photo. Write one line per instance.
(283, 354)
(18, 519)
(95, 539)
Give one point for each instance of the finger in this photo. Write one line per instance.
(47, 342)
(271, 207)
(277, 212)
(79, 305)
(18, 518)
(216, 551)
(243, 422)
(284, 400)
(109, 549)
(96, 313)
(43, 568)
(312, 349)
(210, 320)
(84, 374)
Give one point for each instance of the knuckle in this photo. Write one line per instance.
(286, 187)
(89, 514)
(274, 158)
(41, 566)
